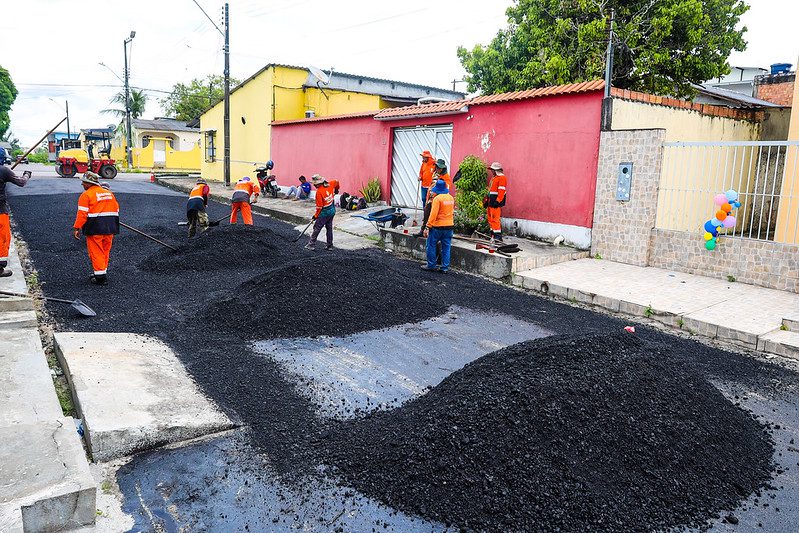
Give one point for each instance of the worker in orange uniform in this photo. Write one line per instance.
(325, 211)
(98, 218)
(441, 173)
(497, 194)
(195, 207)
(426, 172)
(440, 227)
(7, 176)
(246, 191)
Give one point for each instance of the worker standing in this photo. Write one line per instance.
(325, 211)
(441, 173)
(440, 227)
(195, 207)
(98, 218)
(497, 194)
(426, 172)
(7, 176)
(244, 193)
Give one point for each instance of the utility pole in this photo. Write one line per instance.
(227, 97)
(69, 134)
(609, 57)
(127, 103)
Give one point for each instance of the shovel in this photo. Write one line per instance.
(303, 231)
(210, 224)
(77, 305)
(134, 230)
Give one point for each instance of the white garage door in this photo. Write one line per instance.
(405, 162)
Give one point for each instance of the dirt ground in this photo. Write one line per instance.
(213, 307)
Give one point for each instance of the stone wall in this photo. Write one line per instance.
(621, 229)
(763, 263)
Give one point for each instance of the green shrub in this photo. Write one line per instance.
(470, 215)
(371, 191)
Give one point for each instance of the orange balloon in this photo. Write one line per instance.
(721, 215)
(726, 208)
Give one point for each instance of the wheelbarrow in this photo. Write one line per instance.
(381, 217)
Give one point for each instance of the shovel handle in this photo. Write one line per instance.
(303, 231)
(134, 230)
(20, 295)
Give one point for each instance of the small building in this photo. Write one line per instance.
(61, 140)
(283, 92)
(160, 143)
(777, 88)
(739, 80)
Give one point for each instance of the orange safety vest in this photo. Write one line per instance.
(325, 197)
(442, 212)
(197, 191)
(98, 212)
(426, 172)
(499, 188)
(243, 190)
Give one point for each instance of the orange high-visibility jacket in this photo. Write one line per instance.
(98, 212)
(325, 197)
(426, 172)
(448, 180)
(200, 192)
(442, 212)
(498, 188)
(245, 189)
(334, 184)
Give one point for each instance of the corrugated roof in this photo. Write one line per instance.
(456, 106)
(161, 124)
(320, 119)
(739, 99)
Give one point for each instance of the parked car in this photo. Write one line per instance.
(22, 160)
(5, 158)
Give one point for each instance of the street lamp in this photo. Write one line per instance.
(127, 101)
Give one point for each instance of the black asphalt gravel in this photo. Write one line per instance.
(586, 433)
(154, 293)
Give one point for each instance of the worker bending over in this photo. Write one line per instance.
(440, 226)
(496, 199)
(98, 218)
(195, 207)
(246, 191)
(426, 172)
(7, 176)
(325, 211)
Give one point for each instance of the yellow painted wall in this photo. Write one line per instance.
(690, 177)
(788, 214)
(277, 93)
(183, 159)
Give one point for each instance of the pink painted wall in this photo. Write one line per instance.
(352, 151)
(548, 147)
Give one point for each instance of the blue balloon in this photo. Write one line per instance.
(737, 205)
(731, 195)
(716, 222)
(710, 228)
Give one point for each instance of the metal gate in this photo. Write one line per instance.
(405, 161)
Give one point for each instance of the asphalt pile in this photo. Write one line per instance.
(579, 433)
(223, 247)
(325, 295)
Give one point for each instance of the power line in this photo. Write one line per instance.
(208, 17)
(94, 85)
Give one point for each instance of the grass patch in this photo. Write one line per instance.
(598, 256)
(649, 311)
(783, 327)
(731, 278)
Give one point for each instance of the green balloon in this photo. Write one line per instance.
(711, 244)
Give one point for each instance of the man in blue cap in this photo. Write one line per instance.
(440, 226)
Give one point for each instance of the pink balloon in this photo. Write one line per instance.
(720, 199)
(729, 222)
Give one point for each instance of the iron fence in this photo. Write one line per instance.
(763, 173)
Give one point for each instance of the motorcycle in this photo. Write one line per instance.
(267, 181)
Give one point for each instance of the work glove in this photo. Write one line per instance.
(314, 217)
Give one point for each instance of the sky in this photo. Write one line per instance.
(53, 48)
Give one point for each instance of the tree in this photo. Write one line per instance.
(138, 101)
(8, 93)
(11, 139)
(661, 46)
(187, 102)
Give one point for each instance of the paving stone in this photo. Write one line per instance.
(784, 343)
(14, 320)
(133, 393)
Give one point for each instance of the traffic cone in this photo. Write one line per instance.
(152, 177)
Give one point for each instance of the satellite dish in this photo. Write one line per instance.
(319, 75)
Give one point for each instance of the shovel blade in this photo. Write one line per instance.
(82, 308)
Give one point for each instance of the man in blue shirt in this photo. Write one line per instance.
(301, 192)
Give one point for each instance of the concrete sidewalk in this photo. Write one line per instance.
(45, 482)
(750, 316)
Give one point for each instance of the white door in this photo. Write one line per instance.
(159, 153)
(405, 161)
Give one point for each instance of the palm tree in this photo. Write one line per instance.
(138, 101)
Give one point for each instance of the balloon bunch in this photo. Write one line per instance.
(723, 218)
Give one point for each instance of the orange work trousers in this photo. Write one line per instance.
(246, 212)
(99, 247)
(492, 214)
(5, 239)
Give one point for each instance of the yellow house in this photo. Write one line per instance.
(160, 143)
(282, 92)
